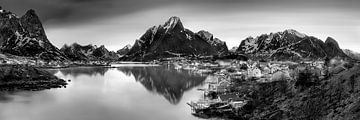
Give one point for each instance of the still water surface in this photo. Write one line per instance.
(124, 93)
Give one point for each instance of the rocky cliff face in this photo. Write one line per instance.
(220, 46)
(25, 36)
(290, 44)
(124, 51)
(170, 40)
(76, 52)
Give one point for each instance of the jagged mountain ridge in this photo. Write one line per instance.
(219, 45)
(77, 52)
(169, 40)
(25, 36)
(290, 44)
(123, 51)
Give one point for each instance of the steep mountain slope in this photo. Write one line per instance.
(169, 40)
(352, 54)
(220, 46)
(123, 51)
(76, 52)
(290, 44)
(25, 36)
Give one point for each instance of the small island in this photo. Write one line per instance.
(22, 77)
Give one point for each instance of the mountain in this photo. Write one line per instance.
(172, 39)
(123, 51)
(220, 46)
(76, 52)
(101, 53)
(25, 36)
(289, 44)
(352, 54)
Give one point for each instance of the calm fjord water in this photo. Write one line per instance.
(95, 93)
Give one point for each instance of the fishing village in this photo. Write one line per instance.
(231, 84)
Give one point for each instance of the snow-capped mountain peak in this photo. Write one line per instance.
(172, 23)
(29, 38)
(294, 32)
(172, 37)
(128, 46)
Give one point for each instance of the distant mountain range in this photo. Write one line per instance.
(25, 36)
(289, 45)
(76, 52)
(171, 40)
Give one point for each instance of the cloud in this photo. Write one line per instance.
(116, 23)
(78, 11)
(59, 12)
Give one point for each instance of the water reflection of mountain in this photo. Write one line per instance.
(90, 71)
(165, 81)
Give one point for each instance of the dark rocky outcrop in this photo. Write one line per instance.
(290, 44)
(332, 48)
(76, 52)
(173, 40)
(25, 36)
(21, 77)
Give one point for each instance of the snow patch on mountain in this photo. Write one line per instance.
(172, 36)
(172, 53)
(289, 44)
(294, 32)
(171, 23)
(154, 29)
(25, 36)
(251, 44)
(188, 36)
(128, 46)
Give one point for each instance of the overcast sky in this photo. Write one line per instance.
(115, 23)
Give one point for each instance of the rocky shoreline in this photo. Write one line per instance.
(22, 77)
